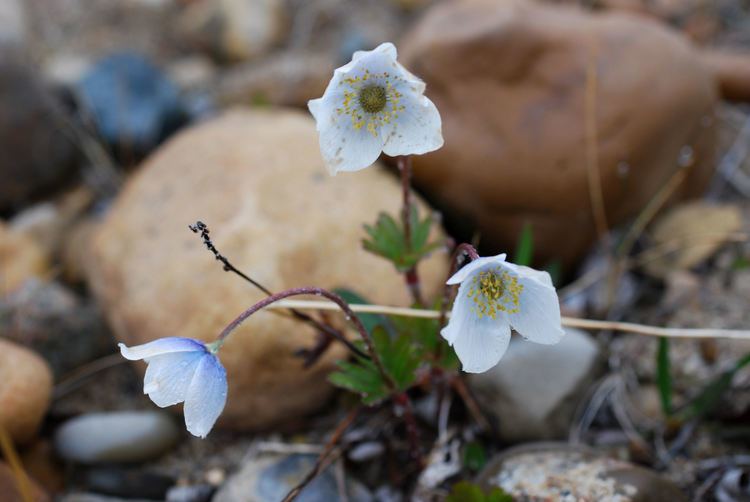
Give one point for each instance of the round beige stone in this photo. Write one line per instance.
(25, 390)
(256, 178)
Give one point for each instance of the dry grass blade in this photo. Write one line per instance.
(573, 322)
(9, 452)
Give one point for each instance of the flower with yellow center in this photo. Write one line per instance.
(372, 105)
(493, 297)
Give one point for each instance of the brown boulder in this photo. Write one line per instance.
(25, 392)
(510, 81)
(257, 179)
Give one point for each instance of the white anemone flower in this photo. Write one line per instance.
(184, 370)
(494, 297)
(374, 104)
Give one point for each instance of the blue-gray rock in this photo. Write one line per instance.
(116, 437)
(192, 493)
(132, 103)
(269, 478)
(130, 483)
(94, 497)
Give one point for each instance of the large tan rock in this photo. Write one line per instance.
(510, 81)
(25, 390)
(257, 179)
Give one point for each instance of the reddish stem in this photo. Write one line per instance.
(458, 253)
(350, 315)
(412, 431)
(411, 276)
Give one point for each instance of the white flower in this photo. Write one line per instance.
(493, 297)
(374, 104)
(183, 369)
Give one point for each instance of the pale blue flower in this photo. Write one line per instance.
(184, 370)
(374, 104)
(494, 296)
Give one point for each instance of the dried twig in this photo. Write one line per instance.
(592, 147)
(11, 456)
(324, 459)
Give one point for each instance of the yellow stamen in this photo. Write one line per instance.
(494, 291)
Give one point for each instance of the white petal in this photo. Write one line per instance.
(479, 342)
(206, 396)
(168, 376)
(460, 316)
(417, 129)
(160, 346)
(386, 49)
(538, 316)
(474, 266)
(345, 148)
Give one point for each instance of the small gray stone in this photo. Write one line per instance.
(92, 497)
(270, 477)
(564, 472)
(66, 330)
(116, 437)
(192, 493)
(534, 391)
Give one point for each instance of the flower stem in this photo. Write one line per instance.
(459, 252)
(411, 276)
(412, 431)
(350, 315)
(202, 230)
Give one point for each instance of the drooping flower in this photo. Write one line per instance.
(183, 370)
(493, 297)
(374, 104)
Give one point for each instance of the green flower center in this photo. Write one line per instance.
(373, 98)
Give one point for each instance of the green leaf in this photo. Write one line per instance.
(463, 491)
(386, 239)
(499, 495)
(710, 396)
(663, 377)
(474, 456)
(525, 247)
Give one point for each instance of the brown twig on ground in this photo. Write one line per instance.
(323, 460)
(73, 380)
(463, 391)
(412, 431)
